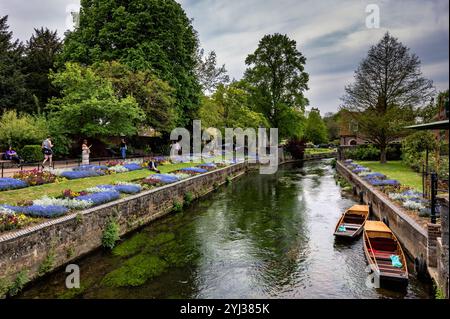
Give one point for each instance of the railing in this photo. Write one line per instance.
(63, 163)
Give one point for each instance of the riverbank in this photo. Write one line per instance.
(261, 236)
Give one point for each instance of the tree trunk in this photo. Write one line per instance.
(383, 150)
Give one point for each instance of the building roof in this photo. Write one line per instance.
(439, 125)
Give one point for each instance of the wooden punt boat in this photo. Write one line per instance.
(380, 244)
(351, 223)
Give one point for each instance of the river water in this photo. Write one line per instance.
(262, 236)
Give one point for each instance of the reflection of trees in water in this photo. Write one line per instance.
(269, 215)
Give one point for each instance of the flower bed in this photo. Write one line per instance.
(35, 177)
(81, 174)
(9, 220)
(101, 197)
(39, 211)
(406, 197)
(193, 170)
(11, 183)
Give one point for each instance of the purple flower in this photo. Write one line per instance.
(128, 189)
(81, 174)
(39, 211)
(132, 167)
(91, 168)
(100, 198)
(165, 178)
(11, 183)
(194, 170)
(385, 182)
(375, 176)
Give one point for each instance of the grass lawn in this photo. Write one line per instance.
(319, 150)
(55, 189)
(397, 170)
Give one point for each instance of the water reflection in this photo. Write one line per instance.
(262, 236)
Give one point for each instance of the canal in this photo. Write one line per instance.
(262, 236)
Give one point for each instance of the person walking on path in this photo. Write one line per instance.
(47, 146)
(123, 149)
(85, 151)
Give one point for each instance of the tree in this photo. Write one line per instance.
(20, 130)
(89, 106)
(154, 35)
(277, 78)
(316, 131)
(40, 55)
(387, 90)
(331, 121)
(13, 92)
(154, 96)
(229, 107)
(208, 73)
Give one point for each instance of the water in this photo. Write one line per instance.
(263, 236)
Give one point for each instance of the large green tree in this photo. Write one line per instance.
(40, 55)
(229, 107)
(316, 130)
(278, 80)
(151, 35)
(89, 106)
(388, 89)
(154, 96)
(13, 92)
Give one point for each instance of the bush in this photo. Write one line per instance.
(296, 147)
(31, 153)
(363, 153)
(110, 234)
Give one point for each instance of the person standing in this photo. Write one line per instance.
(85, 152)
(123, 149)
(47, 146)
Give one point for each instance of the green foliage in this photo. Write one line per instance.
(331, 121)
(333, 163)
(414, 148)
(18, 283)
(316, 131)
(177, 206)
(154, 96)
(188, 198)
(229, 107)
(19, 130)
(229, 180)
(132, 245)
(13, 92)
(89, 106)
(277, 78)
(47, 264)
(110, 234)
(388, 85)
(31, 153)
(145, 35)
(363, 152)
(135, 271)
(40, 55)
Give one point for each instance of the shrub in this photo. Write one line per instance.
(31, 153)
(363, 152)
(296, 147)
(11, 183)
(19, 283)
(110, 234)
(188, 198)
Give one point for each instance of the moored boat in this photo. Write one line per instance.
(351, 223)
(384, 254)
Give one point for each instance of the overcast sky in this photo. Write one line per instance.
(331, 34)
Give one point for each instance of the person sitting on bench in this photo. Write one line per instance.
(12, 155)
